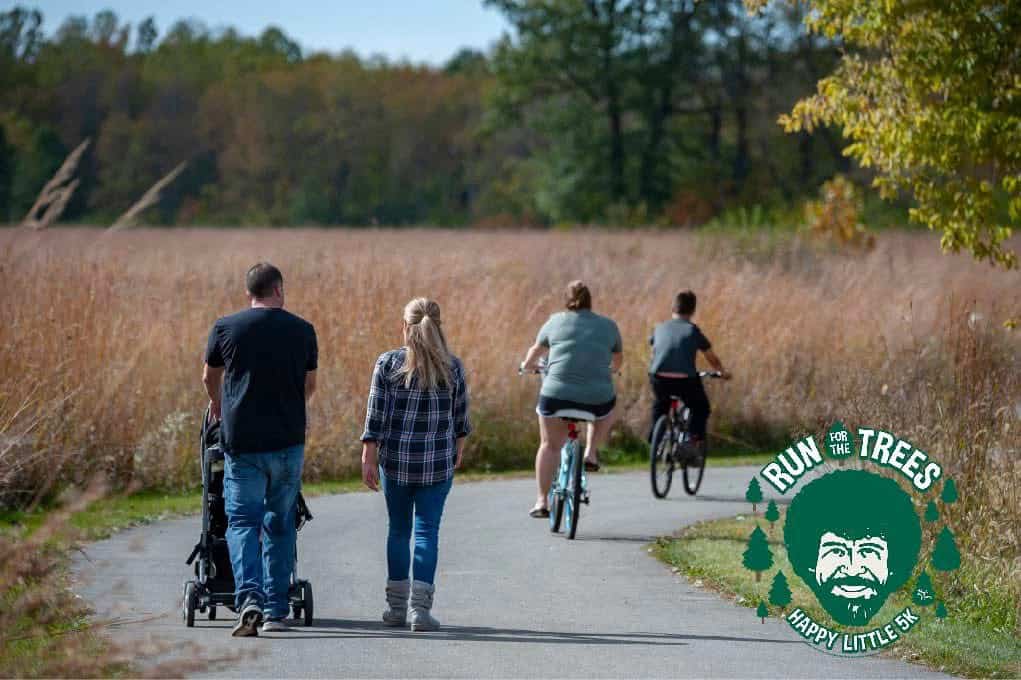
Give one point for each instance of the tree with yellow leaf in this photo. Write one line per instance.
(929, 94)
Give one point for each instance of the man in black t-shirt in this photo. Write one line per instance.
(260, 367)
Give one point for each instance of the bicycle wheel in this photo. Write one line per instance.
(694, 466)
(555, 505)
(661, 460)
(572, 497)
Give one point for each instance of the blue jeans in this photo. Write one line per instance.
(261, 493)
(424, 504)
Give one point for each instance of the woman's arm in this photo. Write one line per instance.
(617, 350)
(375, 415)
(370, 465)
(375, 409)
(616, 361)
(535, 352)
(462, 420)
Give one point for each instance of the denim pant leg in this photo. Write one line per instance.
(400, 509)
(279, 533)
(429, 501)
(244, 485)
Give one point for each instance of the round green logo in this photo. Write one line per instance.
(854, 537)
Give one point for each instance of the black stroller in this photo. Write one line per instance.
(213, 584)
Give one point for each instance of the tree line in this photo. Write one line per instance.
(587, 110)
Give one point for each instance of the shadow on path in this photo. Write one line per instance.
(352, 629)
(616, 539)
(733, 499)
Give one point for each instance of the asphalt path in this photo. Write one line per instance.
(514, 600)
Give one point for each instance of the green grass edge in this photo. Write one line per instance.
(709, 554)
(105, 517)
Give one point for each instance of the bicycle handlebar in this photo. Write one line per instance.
(542, 371)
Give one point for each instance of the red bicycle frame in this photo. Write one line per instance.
(675, 405)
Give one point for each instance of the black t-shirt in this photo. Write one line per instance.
(266, 353)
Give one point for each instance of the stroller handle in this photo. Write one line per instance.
(302, 514)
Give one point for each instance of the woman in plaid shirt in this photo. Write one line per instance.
(415, 427)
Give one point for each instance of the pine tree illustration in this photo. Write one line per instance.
(949, 494)
(762, 610)
(779, 591)
(754, 493)
(931, 512)
(772, 514)
(941, 611)
(924, 592)
(757, 556)
(946, 556)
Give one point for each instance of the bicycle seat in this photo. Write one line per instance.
(574, 414)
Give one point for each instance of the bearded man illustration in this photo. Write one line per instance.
(853, 537)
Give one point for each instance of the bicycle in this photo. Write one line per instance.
(569, 490)
(671, 447)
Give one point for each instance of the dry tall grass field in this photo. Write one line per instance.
(103, 336)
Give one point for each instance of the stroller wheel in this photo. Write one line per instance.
(212, 613)
(189, 604)
(307, 602)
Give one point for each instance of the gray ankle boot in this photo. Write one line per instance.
(397, 600)
(421, 603)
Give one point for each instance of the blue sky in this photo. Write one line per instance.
(420, 30)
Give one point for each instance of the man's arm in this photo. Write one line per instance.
(717, 365)
(212, 378)
(311, 363)
(212, 370)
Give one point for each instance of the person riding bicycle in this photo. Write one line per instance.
(672, 372)
(583, 350)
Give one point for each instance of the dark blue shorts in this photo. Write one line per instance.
(547, 406)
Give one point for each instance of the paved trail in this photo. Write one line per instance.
(514, 599)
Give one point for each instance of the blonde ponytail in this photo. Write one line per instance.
(428, 359)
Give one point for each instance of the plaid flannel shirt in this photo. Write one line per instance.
(416, 430)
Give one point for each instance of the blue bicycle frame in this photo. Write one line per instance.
(570, 488)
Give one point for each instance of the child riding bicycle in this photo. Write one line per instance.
(672, 371)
